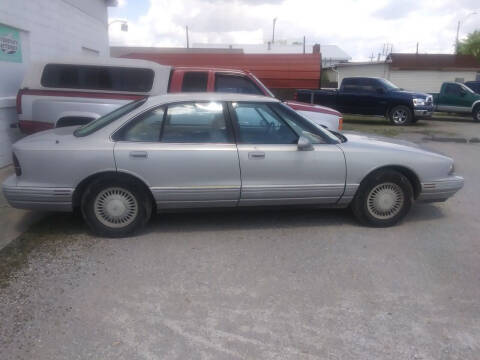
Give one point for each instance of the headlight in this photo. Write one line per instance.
(419, 102)
(451, 171)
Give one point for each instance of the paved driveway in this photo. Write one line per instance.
(297, 284)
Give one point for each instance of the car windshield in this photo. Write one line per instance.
(104, 120)
(388, 84)
(263, 86)
(467, 88)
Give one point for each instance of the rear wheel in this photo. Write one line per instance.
(115, 208)
(383, 199)
(400, 115)
(476, 113)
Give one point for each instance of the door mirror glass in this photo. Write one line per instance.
(304, 144)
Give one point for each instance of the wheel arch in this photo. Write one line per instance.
(392, 104)
(114, 175)
(405, 171)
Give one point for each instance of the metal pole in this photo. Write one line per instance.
(456, 41)
(304, 44)
(186, 30)
(273, 31)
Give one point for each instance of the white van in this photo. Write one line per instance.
(77, 91)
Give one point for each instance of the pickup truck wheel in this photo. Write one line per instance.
(115, 208)
(401, 115)
(476, 113)
(383, 199)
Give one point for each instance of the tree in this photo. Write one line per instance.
(471, 46)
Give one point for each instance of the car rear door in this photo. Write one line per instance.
(273, 170)
(184, 152)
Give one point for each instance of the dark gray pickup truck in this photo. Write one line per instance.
(372, 96)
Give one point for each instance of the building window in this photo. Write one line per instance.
(460, 80)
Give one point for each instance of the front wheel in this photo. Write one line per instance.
(115, 208)
(383, 199)
(400, 115)
(476, 113)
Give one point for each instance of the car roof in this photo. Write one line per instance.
(209, 96)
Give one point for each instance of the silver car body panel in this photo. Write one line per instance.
(55, 162)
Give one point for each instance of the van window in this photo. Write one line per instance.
(195, 81)
(92, 77)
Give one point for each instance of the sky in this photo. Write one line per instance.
(359, 27)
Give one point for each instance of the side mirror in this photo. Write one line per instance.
(304, 144)
(463, 93)
(380, 91)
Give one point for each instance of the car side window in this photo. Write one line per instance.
(196, 122)
(453, 89)
(235, 84)
(259, 124)
(351, 85)
(145, 128)
(195, 81)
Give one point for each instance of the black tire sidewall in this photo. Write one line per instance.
(88, 199)
(409, 117)
(359, 204)
(476, 113)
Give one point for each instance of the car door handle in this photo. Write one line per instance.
(138, 154)
(257, 155)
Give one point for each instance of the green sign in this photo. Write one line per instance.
(10, 45)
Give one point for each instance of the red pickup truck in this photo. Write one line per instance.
(74, 92)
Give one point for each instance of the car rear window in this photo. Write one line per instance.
(108, 118)
(92, 77)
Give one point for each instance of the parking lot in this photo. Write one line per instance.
(289, 284)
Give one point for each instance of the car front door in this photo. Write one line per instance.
(273, 169)
(456, 99)
(184, 152)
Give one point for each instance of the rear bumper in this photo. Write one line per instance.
(440, 190)
(37, 198)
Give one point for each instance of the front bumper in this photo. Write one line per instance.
(37, 198)
(440, 190)
(423, 111)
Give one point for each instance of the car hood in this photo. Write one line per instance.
(411, 93)
(295, 105)
(386, 143)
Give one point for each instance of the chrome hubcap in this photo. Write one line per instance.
(116, 207)
(400, 116)
(385, 201)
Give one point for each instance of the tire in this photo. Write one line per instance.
(400, 115)
(476, 113)
(383, 199)
(115, 208)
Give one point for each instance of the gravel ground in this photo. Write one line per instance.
(293, 284)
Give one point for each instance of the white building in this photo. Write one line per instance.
(416, 72)
(35, 30)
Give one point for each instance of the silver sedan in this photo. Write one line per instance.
(218, 150)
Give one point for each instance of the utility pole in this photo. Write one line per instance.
(457, 43)
(417, 48)
(186, 31)
(273, 31)
(304, 44)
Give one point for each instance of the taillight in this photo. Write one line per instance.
(16, 165)
(340, 124)
(19, 101)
